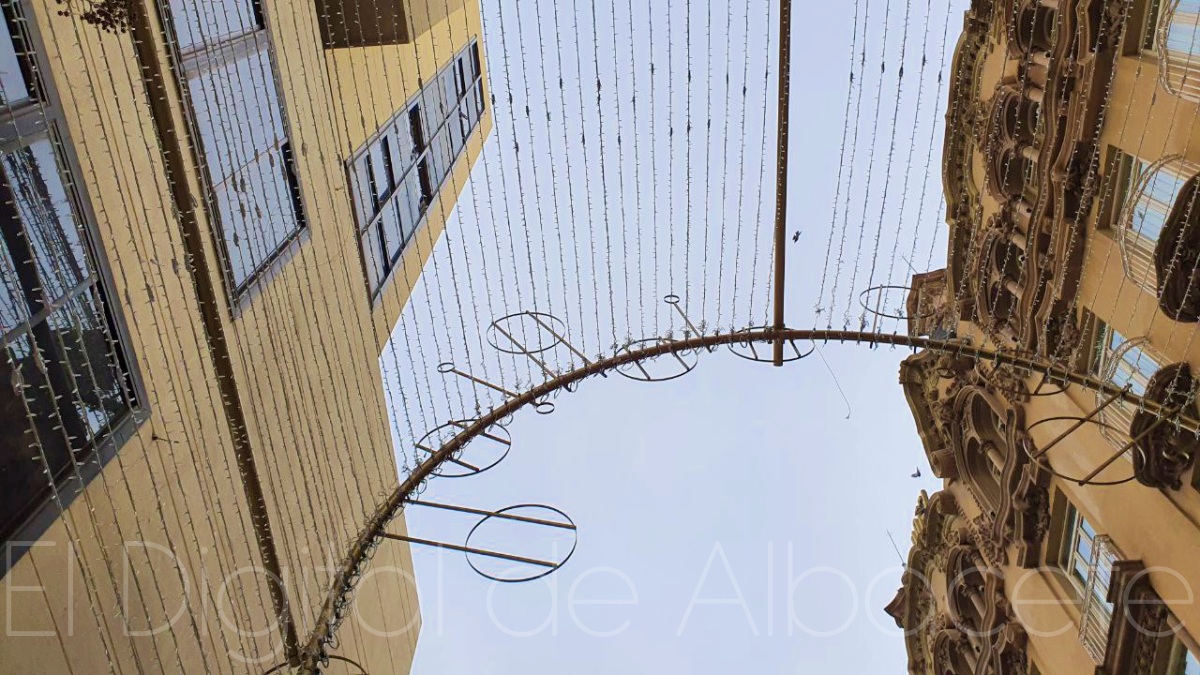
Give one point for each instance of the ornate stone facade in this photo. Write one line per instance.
(1030, 172)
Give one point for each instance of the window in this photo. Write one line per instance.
(1076, 556)
(1182, 38)
(68, 393)
(1088, 560)
(1122, 362)
(1177, 39)
(395, 176)
(1146, 31)
(1143, 196)
(238, 117)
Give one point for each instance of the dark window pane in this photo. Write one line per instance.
(30, 440)
(417, 128)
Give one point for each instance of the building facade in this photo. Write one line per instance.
(1066, 538)
(214, 212)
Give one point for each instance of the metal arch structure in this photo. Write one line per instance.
(313, 652)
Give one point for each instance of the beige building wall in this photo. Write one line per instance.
(303, 349)
(1098, 94)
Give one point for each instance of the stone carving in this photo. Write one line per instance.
(1164, 453)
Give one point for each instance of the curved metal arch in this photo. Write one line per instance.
(358, 556)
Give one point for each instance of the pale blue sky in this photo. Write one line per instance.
(594, 214)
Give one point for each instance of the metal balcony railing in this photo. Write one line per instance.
(1179, 48)
(1097, 610)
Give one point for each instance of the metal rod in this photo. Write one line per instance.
(561, 339)
(1132, 442)
(1077, 424)
(679, 310)
(476, 380)
(525, 350)
(452, 460)
(463, 425)
(494, 514)
(781, 170)
(467, 549)
(357, 554)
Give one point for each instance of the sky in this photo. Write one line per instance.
(735, 518)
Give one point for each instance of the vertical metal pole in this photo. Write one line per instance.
(781, 171)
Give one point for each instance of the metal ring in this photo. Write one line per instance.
(672, 299)
(557, 322)
(1049, 469)
(445, 367)
(644, 375)
(439, 471)
(543, 407)
(902, 317)
(557, 566)
(796, 356)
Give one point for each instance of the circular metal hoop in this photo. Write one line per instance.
(1046, 465)
(456, 458)
(643, 375)
(540, 318)
(445, 367)
(753, 354)
(862, 300)
(672, 299)
(543, 407)
(552, 570)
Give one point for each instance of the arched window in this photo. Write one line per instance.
(1011, 173)
(1122, 361)
(1177, 40)
(1035, 28)
(982, 449)
(1148, 193)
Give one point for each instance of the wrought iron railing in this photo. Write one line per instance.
(1096, 613)
(1179, 71)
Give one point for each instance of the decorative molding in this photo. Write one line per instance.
(1163, 453)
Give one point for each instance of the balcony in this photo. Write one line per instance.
(1179, 49)
(1097, 610)
(1124, 625)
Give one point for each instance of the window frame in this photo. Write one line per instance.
(20, 124)
(422, 171)
(199, 59)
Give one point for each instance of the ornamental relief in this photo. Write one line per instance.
(983, 636)
(991, 451)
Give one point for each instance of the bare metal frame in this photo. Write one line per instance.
(313, 652)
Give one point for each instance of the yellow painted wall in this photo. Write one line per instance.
(304, 344)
